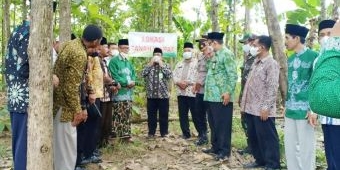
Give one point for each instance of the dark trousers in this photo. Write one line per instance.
(220, 122)
(105, 122)
(264, 141)
(19, 139)
(185, 104)
(161, 106)
(87, 133)
(332, 145)
(200, 118)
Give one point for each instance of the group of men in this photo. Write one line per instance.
(92, 88)
(205, 83)
(260, 77)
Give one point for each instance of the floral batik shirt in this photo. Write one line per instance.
(17, 69)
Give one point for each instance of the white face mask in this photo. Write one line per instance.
(156, 59)
(187, 55)
(246, 48)
(254, 51)
(323, 41)
(114, 52)
(124, 55)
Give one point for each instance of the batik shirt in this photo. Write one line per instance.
(95, 76)
(260, 90)
(69, 68)
(157, 81)
(17, 69)
(186, 71)
(300, 67)
(324, 91)
(123, 72)
(221, 77)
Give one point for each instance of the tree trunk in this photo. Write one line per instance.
(5, 32)
(247, 19)
(214, 16)
(24, 10)
(278, 46)
(39, 135)
(234, 29)
(65, 20)
(336, 9)
(323, 14)
(161, 21)
(169, 15)
(312, 35)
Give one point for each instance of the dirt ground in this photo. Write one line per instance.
(171, 153)
(164, 154)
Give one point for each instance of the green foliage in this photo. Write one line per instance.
(321, 162)
(5, 122)
(238, 140)
(307, 9)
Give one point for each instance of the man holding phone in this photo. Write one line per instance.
(157, 75)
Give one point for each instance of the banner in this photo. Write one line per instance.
(141, 44)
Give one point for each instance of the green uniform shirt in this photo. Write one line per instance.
(324, 91)
(300, 67)
(123, 72)
(221, 76)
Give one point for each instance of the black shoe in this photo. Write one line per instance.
(186, 136)
(97, 153)
(79, 168)
(164, 135)
(267, 168)
(221, 157)
(150, 136)
(201, 141)
(244, 151)
(209, 151)
(92, 159)
(252, 165)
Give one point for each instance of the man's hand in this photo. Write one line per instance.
(197, 87)
(84, 115)
(312, 119)
(92, 98)
(182, 85)
(264, 113)
(55, 81)
(226, 98)
(79, 117)
(283, 111)
(161, 63)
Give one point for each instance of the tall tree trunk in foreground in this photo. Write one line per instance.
(40, 135)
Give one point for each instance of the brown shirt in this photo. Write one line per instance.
(69, 68)
(261, 87)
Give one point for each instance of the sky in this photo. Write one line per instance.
(258, 27)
